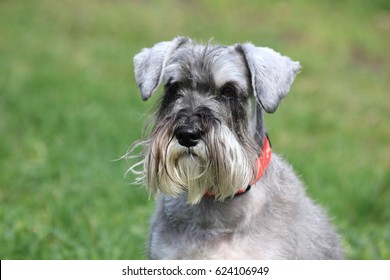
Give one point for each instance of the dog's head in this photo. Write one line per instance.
(208, 130)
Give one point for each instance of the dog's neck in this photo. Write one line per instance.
(262, 163)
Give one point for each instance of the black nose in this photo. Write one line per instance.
(188, 136)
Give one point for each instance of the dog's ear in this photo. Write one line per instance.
(271, 74)
(149, 65)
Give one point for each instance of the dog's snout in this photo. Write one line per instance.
(188, 136)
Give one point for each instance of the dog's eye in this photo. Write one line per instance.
(173, 87)
(228, 90)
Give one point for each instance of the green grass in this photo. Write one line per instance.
(69, 107)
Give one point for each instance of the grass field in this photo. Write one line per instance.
(69, 107)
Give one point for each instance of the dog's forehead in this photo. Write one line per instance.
(212, 64)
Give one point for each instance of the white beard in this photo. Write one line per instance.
(222, 167)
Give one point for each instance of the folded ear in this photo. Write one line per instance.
(149, 65)
(271, 74)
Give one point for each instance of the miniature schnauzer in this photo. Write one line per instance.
(221, 193)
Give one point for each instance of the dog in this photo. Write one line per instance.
(221, 192)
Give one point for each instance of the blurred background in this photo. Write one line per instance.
(69, 108)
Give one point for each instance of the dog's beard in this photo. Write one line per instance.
(218, 164)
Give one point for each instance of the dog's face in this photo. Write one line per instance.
(208, 129)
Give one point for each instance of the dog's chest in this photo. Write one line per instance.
(223, 247)
(195, 235)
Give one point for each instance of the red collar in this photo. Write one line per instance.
(263, 160)
(262, 163)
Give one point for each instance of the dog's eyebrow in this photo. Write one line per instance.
(232, 87)
(230, 83)
(170, 81)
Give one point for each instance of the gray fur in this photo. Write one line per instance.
(274, 220)
(216, 94)
(149, 65)
(271, 74)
